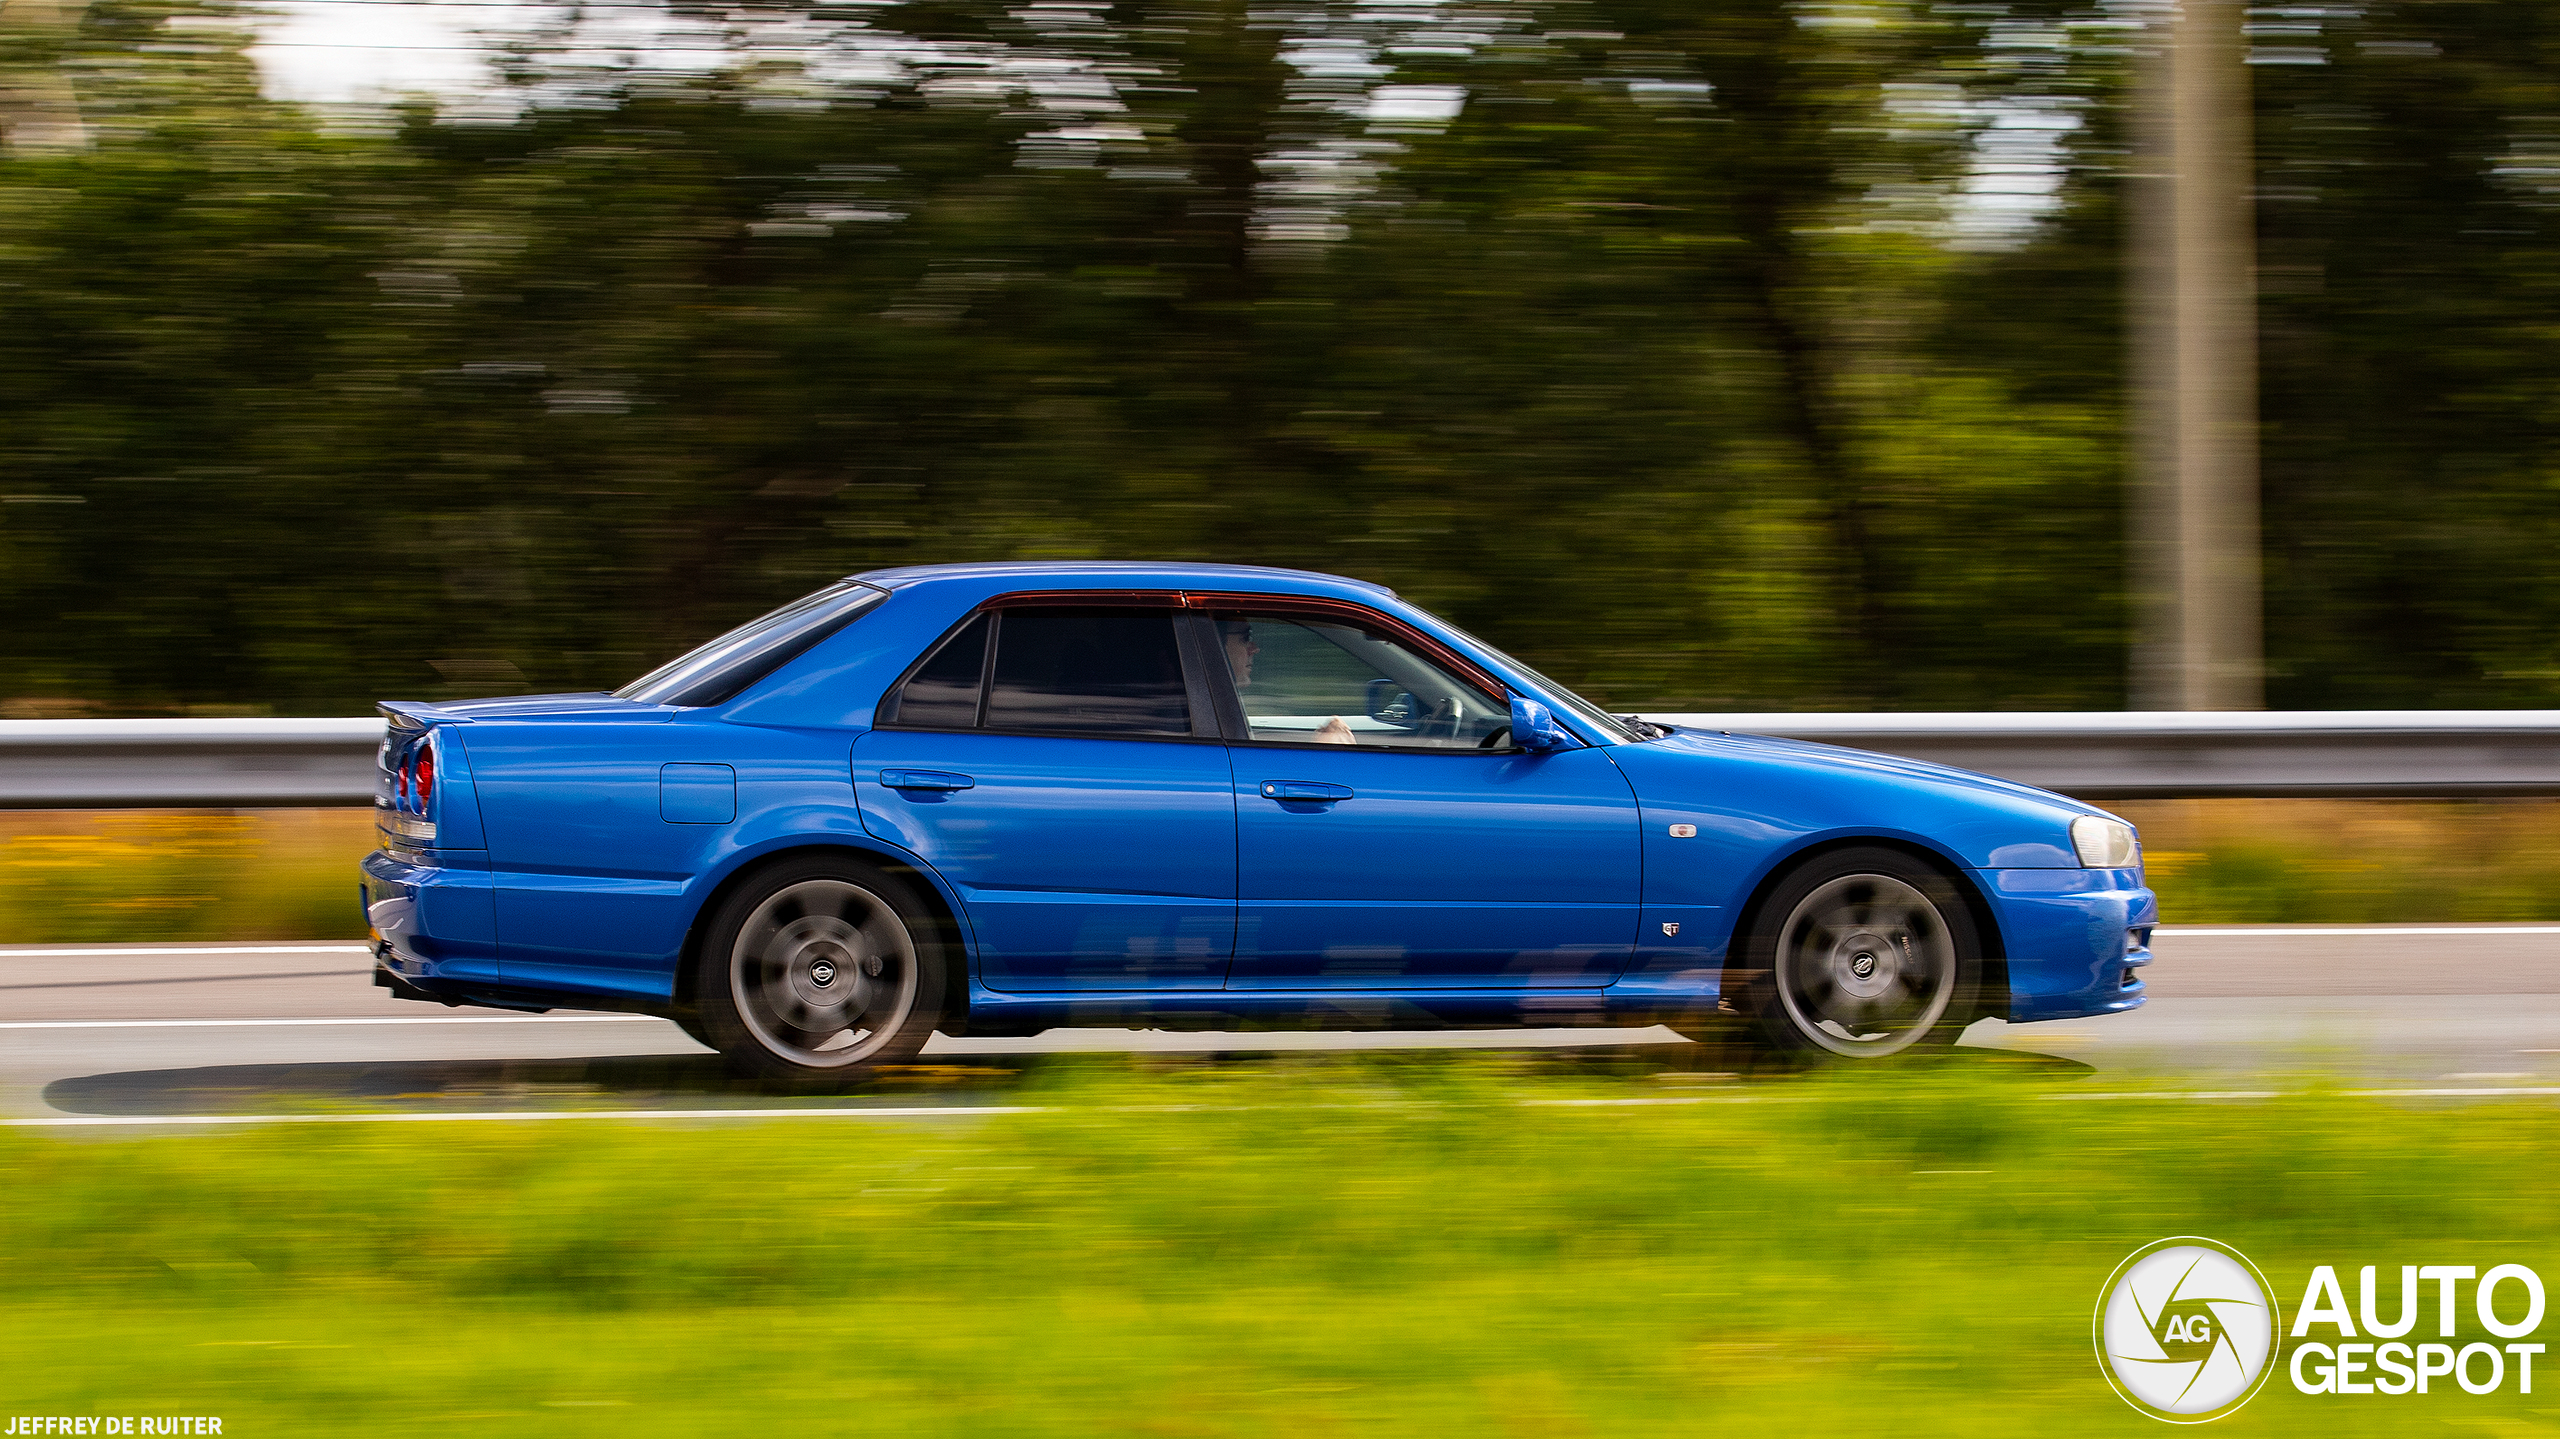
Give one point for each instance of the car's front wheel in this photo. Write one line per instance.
(1862, 954)
(818, 968)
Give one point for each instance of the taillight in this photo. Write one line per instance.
(409, 789)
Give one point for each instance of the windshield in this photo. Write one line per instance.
(1583, 709)
(721, 669)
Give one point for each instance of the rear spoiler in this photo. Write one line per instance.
(416, 714)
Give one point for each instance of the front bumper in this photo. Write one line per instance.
(2075, 940)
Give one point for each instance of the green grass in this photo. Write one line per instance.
(1394, 1247)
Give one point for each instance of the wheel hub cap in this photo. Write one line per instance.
(1866, 963)
(823, 972)
(818, 964)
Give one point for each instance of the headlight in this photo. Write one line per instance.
(2105, 843)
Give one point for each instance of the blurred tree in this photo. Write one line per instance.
(2409, 165)
(1684, 350)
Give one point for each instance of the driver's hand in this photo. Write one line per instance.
(1336, 732)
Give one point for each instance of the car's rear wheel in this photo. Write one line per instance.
(1862, 954)
(819, 968)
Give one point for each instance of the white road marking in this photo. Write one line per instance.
(123, 950)
(1655, 1099)
(2425, 1093)
(2175, 1094)
(2213, 931)
(2332, 931)
(432, 1117)
(944, 1111)
(353, 1019)
(2525, 1090)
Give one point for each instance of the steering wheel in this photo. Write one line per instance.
(1496, 737)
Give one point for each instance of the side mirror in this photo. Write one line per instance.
(1392, 703)
(1534, 729)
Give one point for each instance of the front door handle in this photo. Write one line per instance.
(925, 779)
(1303, 791)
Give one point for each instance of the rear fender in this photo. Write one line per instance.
(741, 865)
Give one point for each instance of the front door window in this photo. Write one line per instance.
(1320, 680)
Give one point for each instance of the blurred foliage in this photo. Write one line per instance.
(1678, 360)
(2350, 861)
(144, 876)
(261, 875)
(1428, 1244)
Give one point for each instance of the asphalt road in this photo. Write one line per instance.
(140, 1033)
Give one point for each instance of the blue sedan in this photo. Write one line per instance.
(996, 799)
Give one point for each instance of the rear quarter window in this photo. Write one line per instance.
(722, 670)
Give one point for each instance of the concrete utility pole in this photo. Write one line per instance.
(39, 112)
(2197, 642)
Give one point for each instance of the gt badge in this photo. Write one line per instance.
(1671, 927)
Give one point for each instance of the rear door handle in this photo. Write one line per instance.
(925, 779)
(1304, 791)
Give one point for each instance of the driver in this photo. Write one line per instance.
(1237, 636)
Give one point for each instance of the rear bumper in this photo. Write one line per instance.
(2076, 940)
(431, 915)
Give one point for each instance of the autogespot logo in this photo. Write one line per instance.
(2185, 1328)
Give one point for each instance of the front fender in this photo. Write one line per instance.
(1757, 806)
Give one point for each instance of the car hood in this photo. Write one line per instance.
(1794, 791)
(1814, 755)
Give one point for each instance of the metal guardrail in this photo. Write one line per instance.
(187, 763)
(2203, 755)
(247, 763)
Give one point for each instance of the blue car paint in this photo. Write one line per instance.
(433, 907)
(1433, 869)
(1083, 864)
(1460, 888)
(697, 793)
(1760, 804)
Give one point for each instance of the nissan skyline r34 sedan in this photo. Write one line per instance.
(996, 799)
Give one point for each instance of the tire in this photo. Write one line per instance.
(1861, 955)
(820, 968)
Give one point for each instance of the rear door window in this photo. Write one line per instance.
(1097, 671)
(1074, 670)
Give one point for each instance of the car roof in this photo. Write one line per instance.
(1123, 574)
